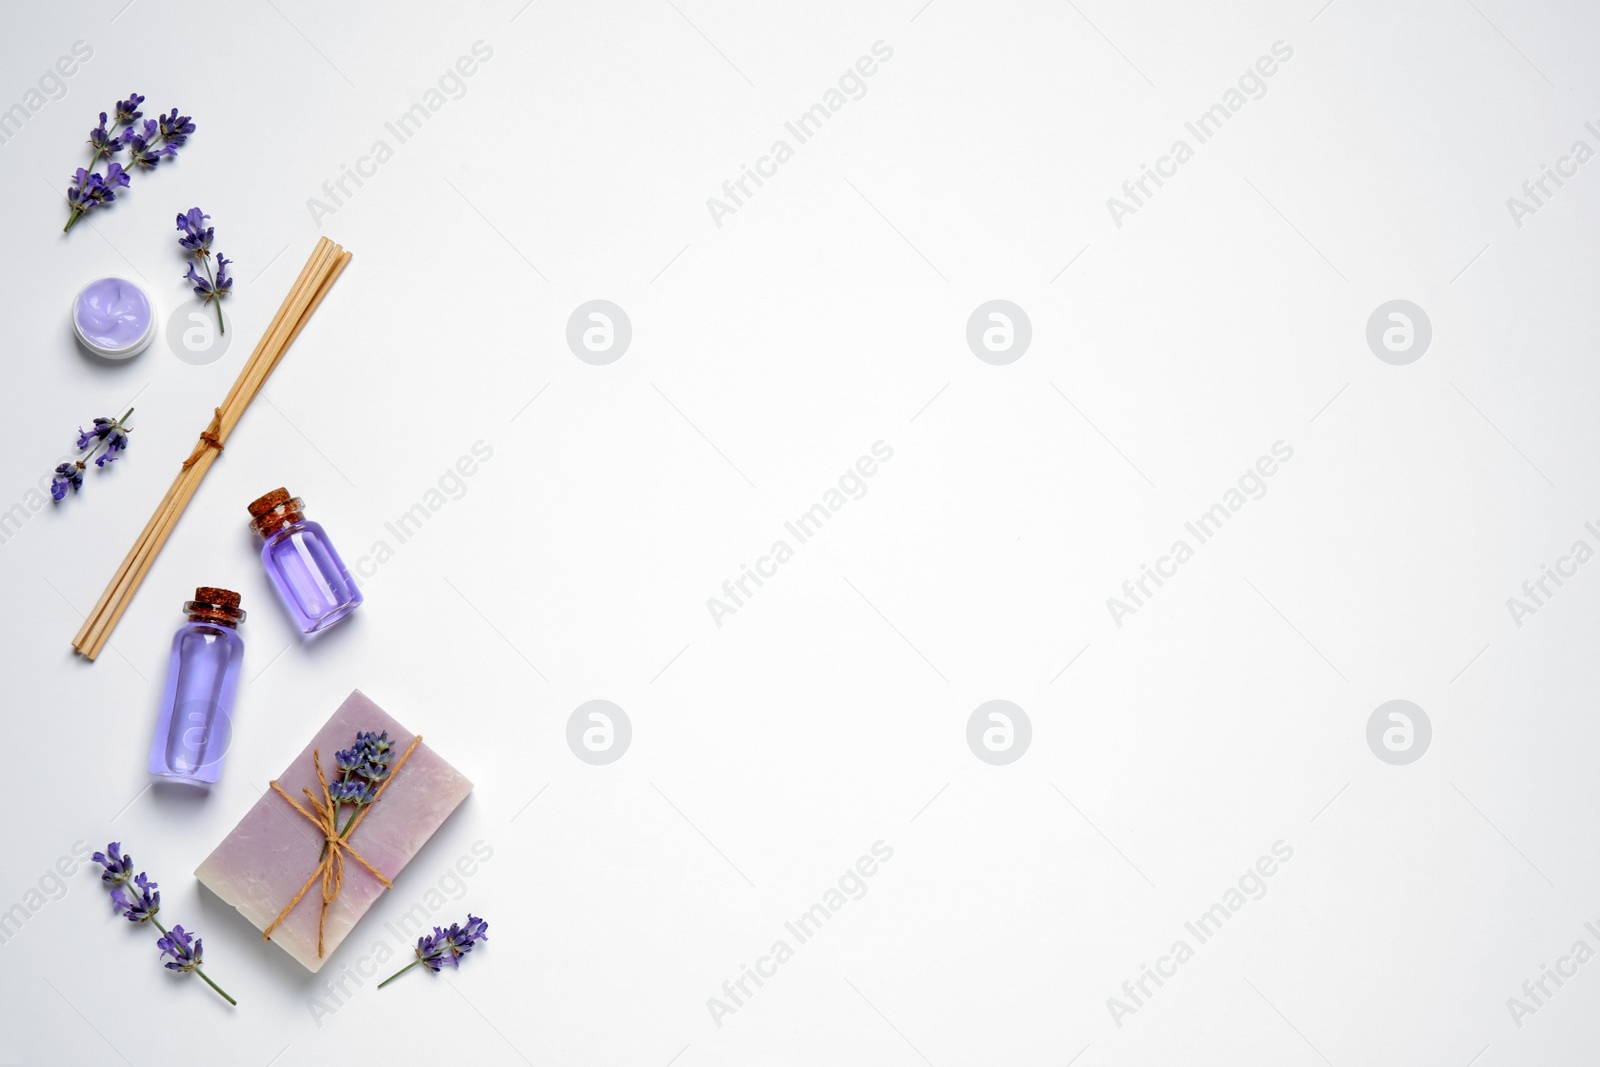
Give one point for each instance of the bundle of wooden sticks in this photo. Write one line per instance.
(317, 277)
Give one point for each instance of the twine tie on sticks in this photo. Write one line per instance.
(325, 817)
(210, 437)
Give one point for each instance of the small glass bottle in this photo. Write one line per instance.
(195, 725)
(302, 563)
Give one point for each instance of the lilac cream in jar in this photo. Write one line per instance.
(113, 318)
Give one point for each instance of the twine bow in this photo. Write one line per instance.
(210, 437)
(324, 815)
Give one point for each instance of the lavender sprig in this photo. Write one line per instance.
(146, 143)
(445, 946)
(141, 907)
(362, 766)
(197, 239)
(108, 434)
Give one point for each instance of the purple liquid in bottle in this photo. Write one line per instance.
(195, 725)
(304, 566)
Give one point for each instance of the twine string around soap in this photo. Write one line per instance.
(324, 815)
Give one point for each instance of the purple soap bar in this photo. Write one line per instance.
(264, 861)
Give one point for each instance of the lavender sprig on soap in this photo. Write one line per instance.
(147, 144)
(138, 900)
(197, 237)
(445, 946)
(108, 434)
(361, 767)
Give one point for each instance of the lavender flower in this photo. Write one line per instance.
(197, 239)
(108, 432)
(103, 141)
(462, 938)
(94, 190)
(435, 950)
(175, 128)
(147, 144)
(67, 476)
(84, 437)
(108, 437)
(183, 947)
(352, 792)
(118, 868)
(141, 908)
(116, 441)
(197, 235)
(368, 758)
(180, 944)
(128, 110)
(147, 147)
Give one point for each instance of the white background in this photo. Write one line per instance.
(830, 711)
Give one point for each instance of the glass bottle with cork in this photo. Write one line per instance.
(305, 569)
(195, 724)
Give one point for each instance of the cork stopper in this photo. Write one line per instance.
(265, 503)
(273, 510)
(211, 604)
(222, 598)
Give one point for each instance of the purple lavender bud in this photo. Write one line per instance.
(67, 476)
(462, 938)
(352, 792)
(103, 141)
(118, 868)
(143, 154)
(202, 286)
(140, 909)
(183, 947)
(80, 178)
(431, 949)
(89, 191)
(116, 441)
(175, 128)
(128, 110)
(196, 234)
(103, 428)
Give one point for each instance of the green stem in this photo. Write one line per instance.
(351, 819)
(205, 261)
(215, 986)
(167, 933)
(398, 973)
(343, 778)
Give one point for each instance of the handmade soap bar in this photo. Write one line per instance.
(262, 864)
